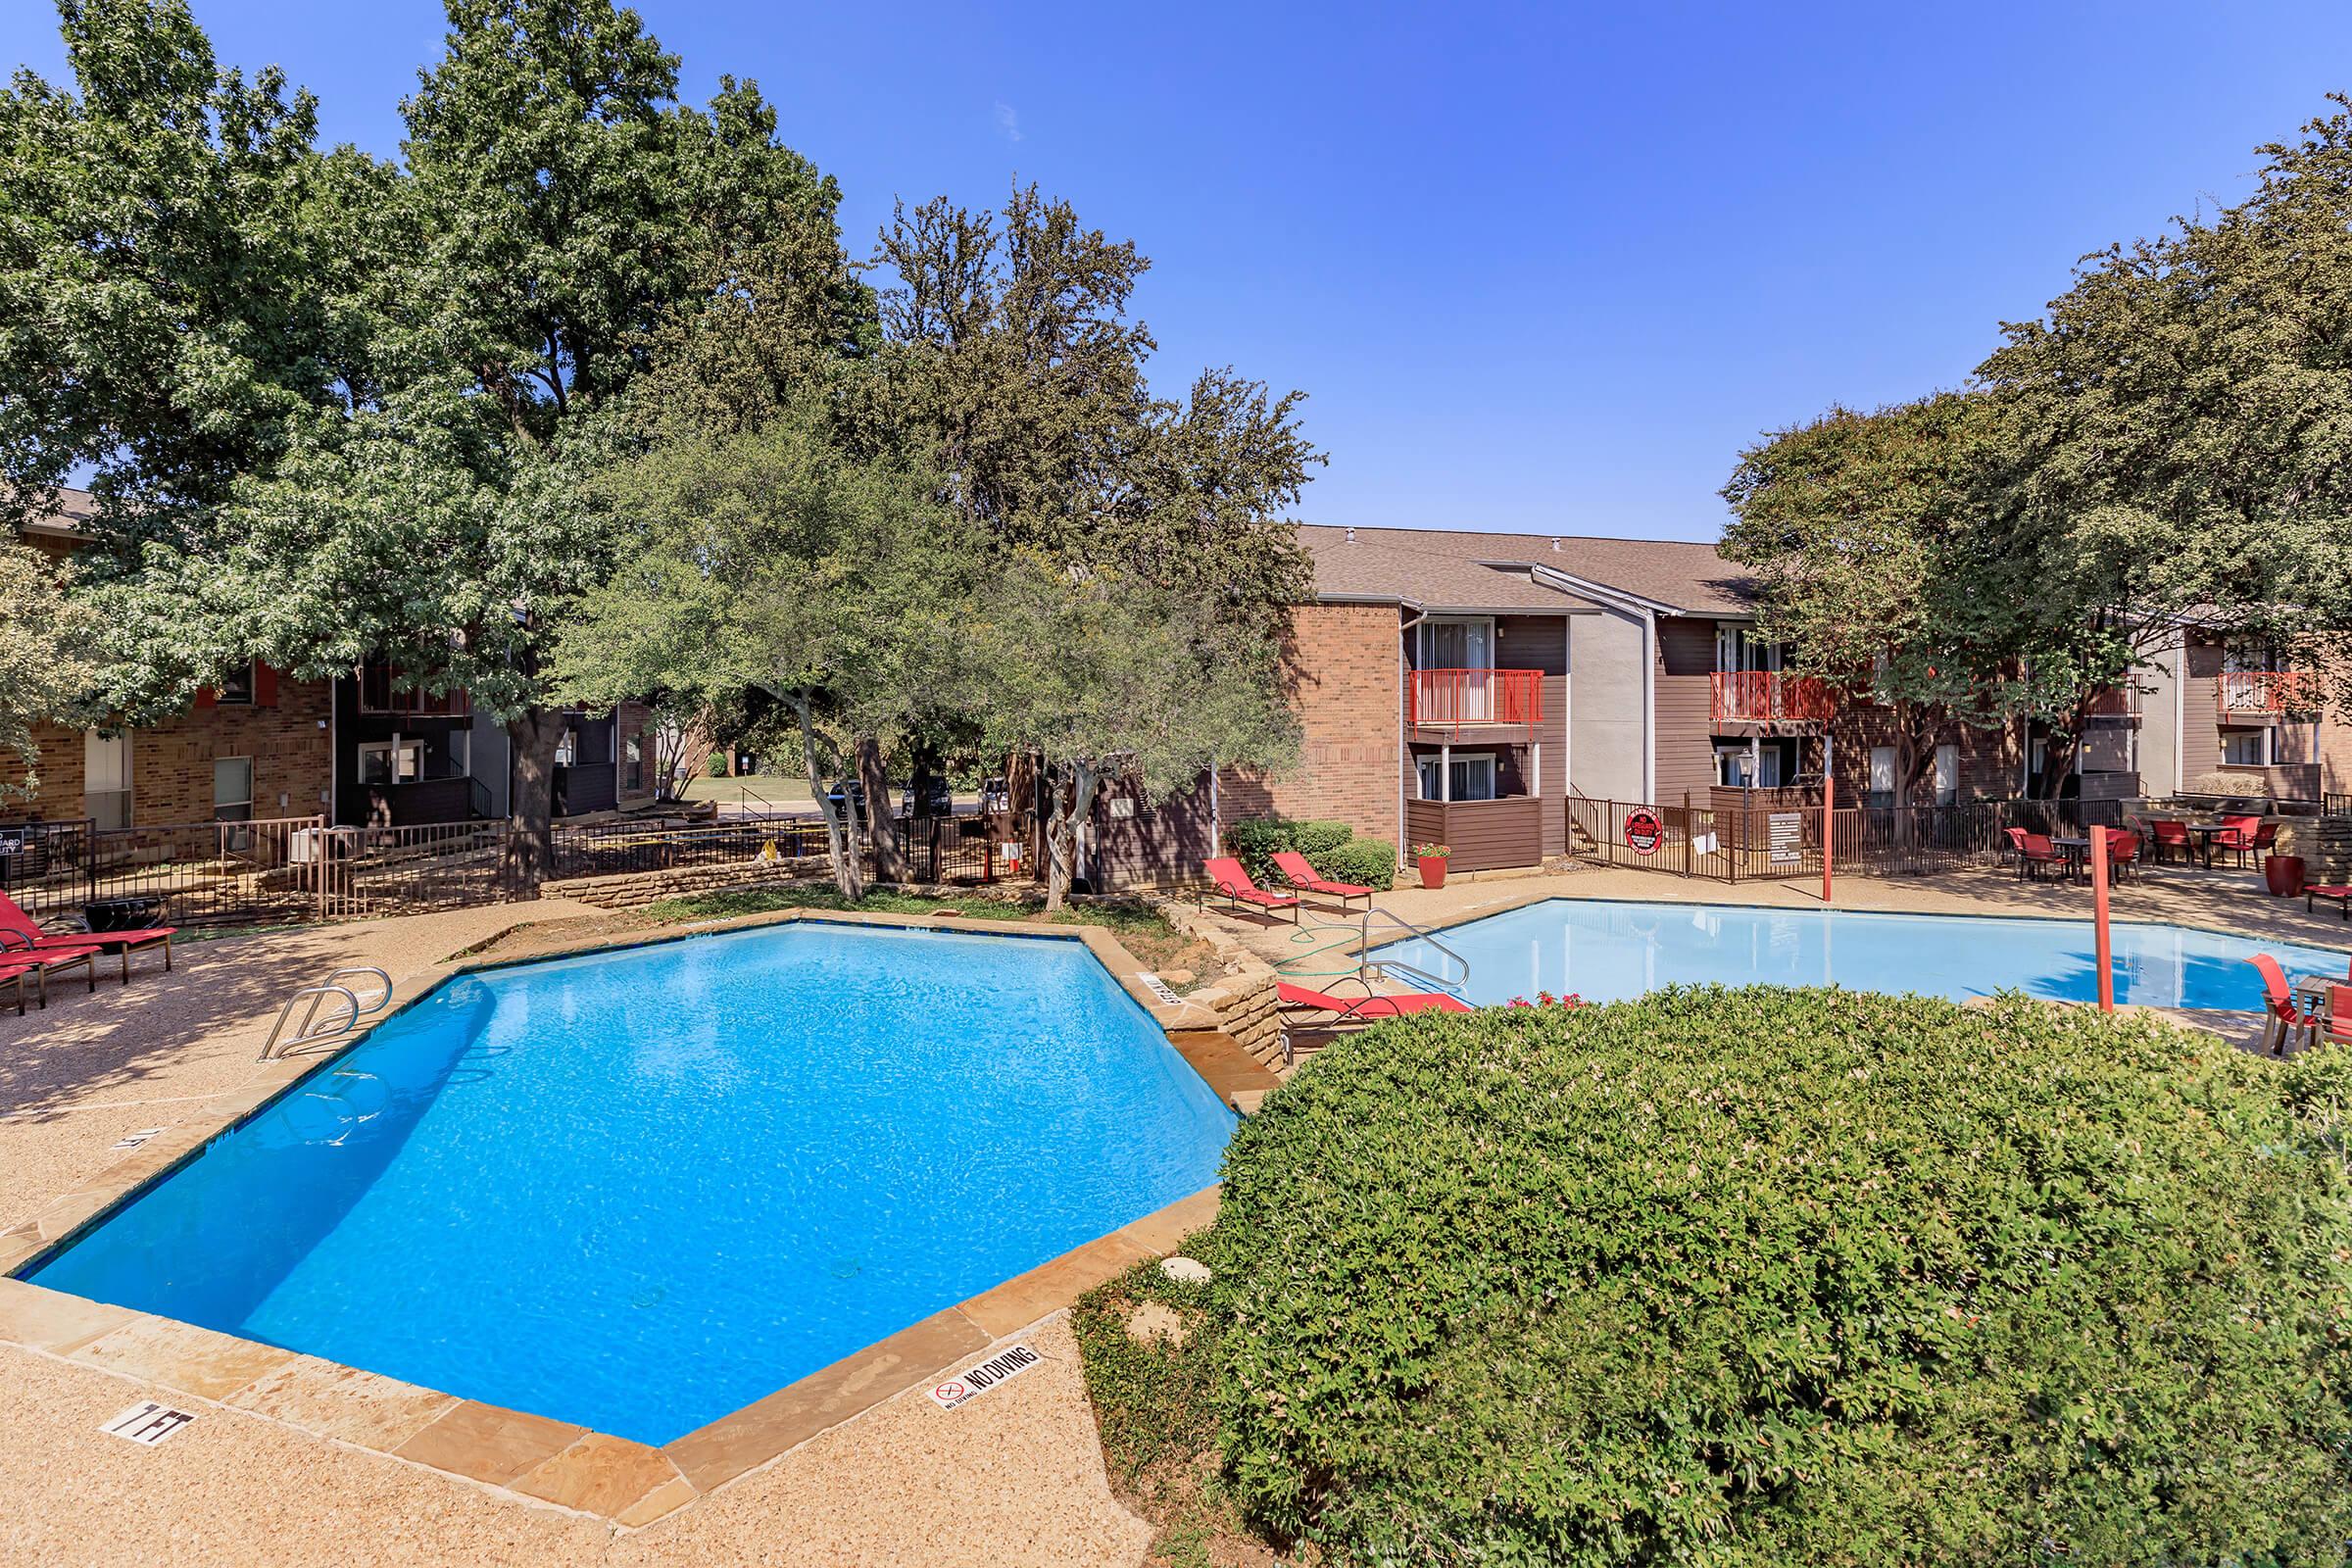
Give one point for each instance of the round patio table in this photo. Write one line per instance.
(2205, 832)
(2076, 849)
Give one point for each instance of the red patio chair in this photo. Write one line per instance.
(2281, 1018)
(2241, 833)
(2340, 894)
(2336, 1027)
(1346, 1012)
(2034, 855)
(14, 921)
(2123, 854)
(1301, 874)
(1233, 881)
(2168, 837)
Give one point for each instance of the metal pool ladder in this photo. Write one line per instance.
(311, 1031)
(1397, 966)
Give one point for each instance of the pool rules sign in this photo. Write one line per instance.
(978, 1379)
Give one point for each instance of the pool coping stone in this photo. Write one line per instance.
(536, 1458)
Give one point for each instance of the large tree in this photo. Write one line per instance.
(500, 290)
(1110, 677)
(1861, 531)
(768, 563)
(48, 647)
(2178, 441)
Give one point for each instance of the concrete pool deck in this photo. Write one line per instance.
(852, 1465)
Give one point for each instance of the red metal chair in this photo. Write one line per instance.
(2035, 853)
(1233, 881)
(19, 959)
(1369, 1005)
(2168, 837)
(2336, 1027)
(2241, 834)
(1301, 874)
(2281, 1018)
(2342, 896)
(2122, 854)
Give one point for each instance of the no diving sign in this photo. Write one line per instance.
(973, 1380)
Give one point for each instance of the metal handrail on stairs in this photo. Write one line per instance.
(1386, 965)
(310, 1031)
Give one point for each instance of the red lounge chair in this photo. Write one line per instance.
(2171, 837)
(2280, 1018)
(2033, 851)
(1370, 1005)
(14, 921)
(1302, 875)
(1234, 883)
(2341, 895)
(16, 962)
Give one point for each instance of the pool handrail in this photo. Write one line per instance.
(305, 1033)
(1399, 965)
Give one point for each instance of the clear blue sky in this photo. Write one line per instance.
(1539, 267)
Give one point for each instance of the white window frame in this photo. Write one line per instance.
(1893, 784)
(1430, 623)
(394, 749)
(125, 789)
(2266, 742)
(1948, 773)
(1739, 651)
(1451, 759)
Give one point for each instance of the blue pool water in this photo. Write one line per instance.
(639, 1190)
(1608, 950)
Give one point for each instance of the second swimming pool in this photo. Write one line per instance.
(1608, 950)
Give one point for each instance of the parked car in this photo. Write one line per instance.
(995, 794)
(848, 789)
(936, 799)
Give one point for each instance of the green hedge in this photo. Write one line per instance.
(1331, 848)
(1371, 861)
(1770, 1276)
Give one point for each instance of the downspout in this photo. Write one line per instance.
(1404, 752)
(1649, 706)
(2181, 713)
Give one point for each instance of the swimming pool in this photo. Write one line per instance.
(1608, 950)
(639, 1190)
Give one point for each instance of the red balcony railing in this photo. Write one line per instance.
(1767, 696)
(2268, 691)
(1455, 699)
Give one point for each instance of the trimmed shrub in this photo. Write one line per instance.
(1315, 839)
(717, 767)
(1770, 1276)
(1371, 861)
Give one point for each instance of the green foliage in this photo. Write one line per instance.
(1331, 848)
(1369, 861)
(1152, 1396)
(46, 658)
(718, 766)
(1772, 1276)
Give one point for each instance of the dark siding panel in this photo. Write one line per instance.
(1483, 835)
(1686, 751)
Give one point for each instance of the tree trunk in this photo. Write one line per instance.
(531, 853)
(890, 850)
(840, 839)
(1057, 836)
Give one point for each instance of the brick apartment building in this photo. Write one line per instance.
(359, 750)
(1462, 687)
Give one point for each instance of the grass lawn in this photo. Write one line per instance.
(1139, 927)
(784, 789)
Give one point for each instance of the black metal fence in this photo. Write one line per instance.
(2334, 805)
(1740, 844)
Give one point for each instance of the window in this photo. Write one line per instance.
(236, 687)
(636, 761)
(1881, 775)
(105, 777)
(1948, 773)
(2246, 748)
(1473, 777)
(1765, 765)
(382, 691)
(232, 789)
(568, 749)
(1458, 642)
(392, 762)
(1738, 650)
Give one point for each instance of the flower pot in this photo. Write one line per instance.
(2284, 873)
(1433, 870)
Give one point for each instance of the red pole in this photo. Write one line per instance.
(1829, 829)
(2098, 904)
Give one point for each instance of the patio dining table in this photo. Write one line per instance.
(2205, 832)
(2076, 850)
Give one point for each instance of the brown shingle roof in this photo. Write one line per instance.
(1454, 569)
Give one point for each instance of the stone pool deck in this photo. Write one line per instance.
(293, 1459)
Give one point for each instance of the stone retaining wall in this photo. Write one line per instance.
(1243, 996)
(628, 890)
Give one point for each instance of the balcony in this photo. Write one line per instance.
(1768, 697)
(2266, 693)
(1456, 700)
